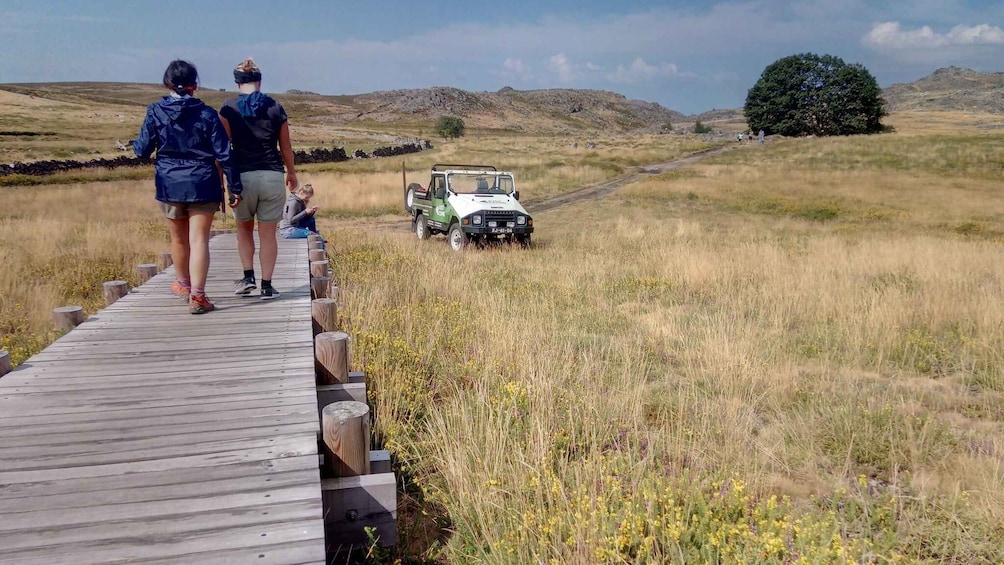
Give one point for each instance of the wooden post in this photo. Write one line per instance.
(319, 287)
(313, 238)
(346, 429)
(5, 366)
(318, 268)
(315, 243)
(65, 318)
(332, 286)
(324, 312)
(145, 272)
(331, 358)
(166, 260)
(318, 255)
(114, 290)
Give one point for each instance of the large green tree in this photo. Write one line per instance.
(812, 94)
(450, 126)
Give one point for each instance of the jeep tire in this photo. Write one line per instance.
(409, 196)
(456, 237)
(422, 227)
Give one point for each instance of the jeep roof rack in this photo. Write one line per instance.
(463, 167)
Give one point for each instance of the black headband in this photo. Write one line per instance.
(242, 77)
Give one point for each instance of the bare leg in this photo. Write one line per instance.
(269, 248)
(179, 246)
(245, 243)
(200, 222)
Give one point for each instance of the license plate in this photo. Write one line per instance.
(501, 230)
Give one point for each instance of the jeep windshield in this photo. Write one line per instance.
(480, 183)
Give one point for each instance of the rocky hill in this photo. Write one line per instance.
(533, 110)
(950, 88)
(553, 110)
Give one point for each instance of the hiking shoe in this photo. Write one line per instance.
(200, 304)
(269, 293)
(181, 291)
(244, 286)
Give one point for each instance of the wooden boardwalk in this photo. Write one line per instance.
(149, 435)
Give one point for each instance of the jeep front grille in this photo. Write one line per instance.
(500, 216)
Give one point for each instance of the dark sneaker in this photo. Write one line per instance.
(244, 286)
(181, 292)
(269, 293)
(200, 305)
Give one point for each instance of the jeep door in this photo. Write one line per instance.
(440, 214)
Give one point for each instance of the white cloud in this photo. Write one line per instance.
(890, 36)
(562, 69)
(640, 71)
(516, 69)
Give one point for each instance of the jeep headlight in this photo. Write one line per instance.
(521, 220)
(477, 220)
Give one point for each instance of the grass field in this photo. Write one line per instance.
(788, 353)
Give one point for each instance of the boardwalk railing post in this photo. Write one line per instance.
(319, 268)
(166, 260)
(317, 255)
(319, 287)
(324, 312)
(65, 318)
(346, 431)
(5, 366)
(332, 286)
(331, 352)
(145, 272)
(113, 290)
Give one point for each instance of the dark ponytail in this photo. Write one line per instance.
(181, 77)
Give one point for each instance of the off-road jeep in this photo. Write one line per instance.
(470, 204)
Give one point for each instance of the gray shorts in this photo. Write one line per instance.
(182, 210)
(264, 196)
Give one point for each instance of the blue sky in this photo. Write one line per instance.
(687, 56)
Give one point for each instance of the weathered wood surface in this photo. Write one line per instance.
(147, 434)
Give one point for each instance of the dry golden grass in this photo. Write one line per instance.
(786, 354)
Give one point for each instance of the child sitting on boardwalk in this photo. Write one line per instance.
(298, 221)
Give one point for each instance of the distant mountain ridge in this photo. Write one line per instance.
(552, 110)
(949, 88)
(508, 108)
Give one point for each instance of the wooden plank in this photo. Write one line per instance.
(158, 546)
(274, 446)
(99, 489)
(217, 410)
(166, 440)
(265, 455)
(112, 407)
(195, 423)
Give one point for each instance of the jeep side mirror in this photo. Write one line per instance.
(515, 194)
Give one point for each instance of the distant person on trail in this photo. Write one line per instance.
(760, 136)
(298, 220)
(190, 143)
(739, 137)
(258, 129)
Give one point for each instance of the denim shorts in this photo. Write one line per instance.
(264, 196)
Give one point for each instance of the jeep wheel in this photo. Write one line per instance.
(409, 196)
(421, 227)
(523, 240)
(457, 238)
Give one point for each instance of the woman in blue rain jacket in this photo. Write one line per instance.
(191, 146)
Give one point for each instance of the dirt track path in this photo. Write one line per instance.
(585, 194)
(597, 191)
